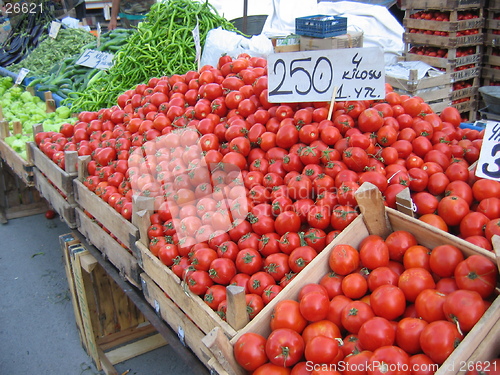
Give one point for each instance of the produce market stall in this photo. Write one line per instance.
(218, 193)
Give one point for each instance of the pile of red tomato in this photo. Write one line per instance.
(389, 307)
(206, 145)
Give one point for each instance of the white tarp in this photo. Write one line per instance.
(379, 26)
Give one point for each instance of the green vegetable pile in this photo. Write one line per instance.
(162, 46)
(66, 77)
(50, 51)
(19, 105)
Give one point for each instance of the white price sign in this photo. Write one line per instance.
(310, 76)
(96, 59)
(21, 76)
(488, 165)
(54, 29)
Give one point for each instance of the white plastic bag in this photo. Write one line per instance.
(380, 28)
(221, 42)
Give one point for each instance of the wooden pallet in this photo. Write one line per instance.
(441, 4)
(376, 219)
(111, 249)
(17, 199)
(64, 207)
(110, 326)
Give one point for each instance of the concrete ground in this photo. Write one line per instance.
(38, 334)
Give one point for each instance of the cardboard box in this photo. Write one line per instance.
(290, 43)
(353, 39)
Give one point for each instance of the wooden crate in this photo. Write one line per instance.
(490, 73)
(61, 179)
(451, 26)
(492, 24)
(17, 199)
(126, 232)
(449, 63)
(441, 4)
(111, 249)
(492, 56)
(471, 91)
(64, 207)
(23, 168)
(466, 74)
(452, 41)
(493, 4)
(110, 326)
(377, 219)
(491, 39)
(434, 86)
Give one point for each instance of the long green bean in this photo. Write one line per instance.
(165, 34)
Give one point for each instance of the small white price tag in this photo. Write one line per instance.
(95, 59)
(98, 34)
(488, 165)
(197, 44)
(54, 29)
(21, 75)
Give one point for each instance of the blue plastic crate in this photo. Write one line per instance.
(321, 26)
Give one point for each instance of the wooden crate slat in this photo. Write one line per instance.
(123, 229)
(464, 93)
(111, 249)
(60, 204)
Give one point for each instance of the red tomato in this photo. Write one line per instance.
(414, 280)
(477, 273)
(314, 306)
(464, 308)
(250, 351)
(408, 332)
(438, 339)
(429, 305)
(354, 314)
(388, 301)
(444, 259)
(376, 332)
(343, 259)
(284, 347)
(390, 360)
(286, 314)
(398, 242)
